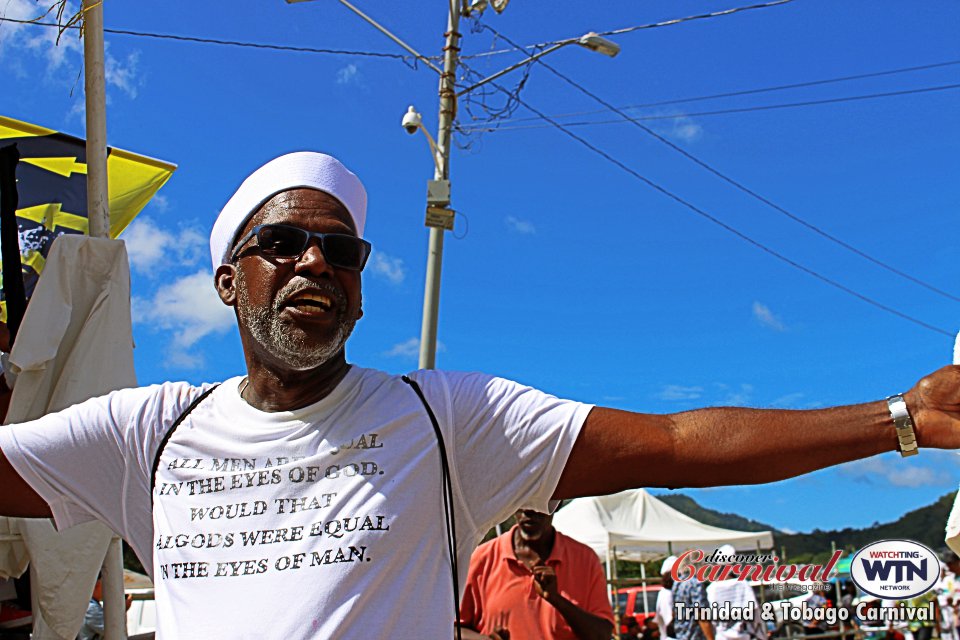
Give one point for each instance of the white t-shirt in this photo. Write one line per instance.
(324, 522)
(738, 594)
(664, 611)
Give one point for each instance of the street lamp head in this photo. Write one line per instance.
(477, 7)
(411, 120)
(597, 43)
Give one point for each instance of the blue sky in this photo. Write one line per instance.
(566, 272)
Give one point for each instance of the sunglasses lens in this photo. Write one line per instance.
(281, 241)
(348, 252)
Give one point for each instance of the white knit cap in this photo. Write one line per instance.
(667, 565)
(291, 171)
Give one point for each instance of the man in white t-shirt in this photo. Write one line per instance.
(740, 595)
(305, 499)
(663, 615)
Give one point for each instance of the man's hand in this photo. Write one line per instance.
(585, 625)
(934, 405)
(545, 582)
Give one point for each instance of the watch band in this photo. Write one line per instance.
(903, 424)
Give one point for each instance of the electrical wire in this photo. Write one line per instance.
(488, 128)
(664, 23)
(739, 185)
(702, 16)
(232, 43)
(745, 92)
(743, 236)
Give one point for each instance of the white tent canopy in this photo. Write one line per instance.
(640, 527)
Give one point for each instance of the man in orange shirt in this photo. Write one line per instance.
(534, 583)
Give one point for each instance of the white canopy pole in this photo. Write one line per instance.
(643, 581)
(98, 217)
(611, 590)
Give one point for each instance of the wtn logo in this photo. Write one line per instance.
(903, 570)
(897, 569)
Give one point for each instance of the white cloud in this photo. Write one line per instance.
(387, 267)
(686, 129)
(123, 75)
(766, 317)
(160, 203)
(894, 471)
(63, 53)
(673, 392)
(191, 309)
(38, 40)
(153, 250)
(348, 74)
(78, 110)
(520, 226)
(409, 349)
(737, 397)
(670, 124)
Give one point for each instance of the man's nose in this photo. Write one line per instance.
(312, 260)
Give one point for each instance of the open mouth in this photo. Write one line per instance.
(310, 302)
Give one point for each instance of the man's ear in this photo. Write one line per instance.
(224, 280)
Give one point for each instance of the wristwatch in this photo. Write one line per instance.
(903, 423)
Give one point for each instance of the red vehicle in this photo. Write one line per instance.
(631, 602)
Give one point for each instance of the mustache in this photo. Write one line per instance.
(300, 283)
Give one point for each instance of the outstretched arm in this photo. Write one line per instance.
(17, 499)
(725, 446)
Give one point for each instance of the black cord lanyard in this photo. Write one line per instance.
(447, 490)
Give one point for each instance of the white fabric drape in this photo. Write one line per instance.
(75, 343)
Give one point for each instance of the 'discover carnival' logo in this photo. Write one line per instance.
(895, 569)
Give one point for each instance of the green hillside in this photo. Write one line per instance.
(688, 506)
(925, 525)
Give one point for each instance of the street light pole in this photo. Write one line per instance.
(439, 216)
(448, 106)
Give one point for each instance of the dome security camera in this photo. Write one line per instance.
(411, 121)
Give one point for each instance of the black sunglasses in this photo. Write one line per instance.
(283, 241)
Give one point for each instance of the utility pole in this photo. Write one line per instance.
(98, 210)
(448, 107)
(98, 220)
(439, 216)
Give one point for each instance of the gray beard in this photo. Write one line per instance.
(265, 326)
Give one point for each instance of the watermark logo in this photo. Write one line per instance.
(747, 566)
(895, 569)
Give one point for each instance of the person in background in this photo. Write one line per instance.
(848, 593)
(692, 594)
(739, 594)
(545, 585)
(950, 595)
(925, 629)
(92, 628)
(650, 630)
(816, 600)
(631, 628)
(663, 615)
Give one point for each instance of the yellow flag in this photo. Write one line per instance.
(52, 190)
